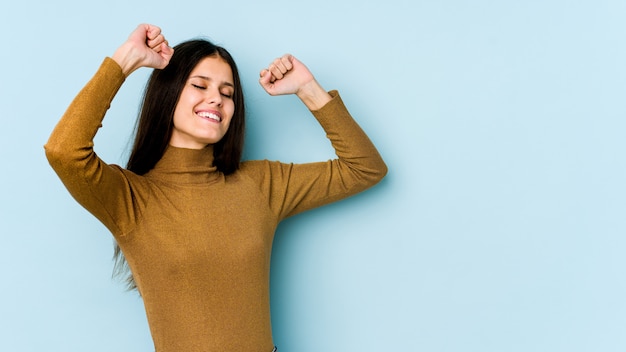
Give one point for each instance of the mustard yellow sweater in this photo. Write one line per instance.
(198, 242)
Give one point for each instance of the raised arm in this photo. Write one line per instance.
(101, 188)
(145, 47)
(293, 188)
(287, 75)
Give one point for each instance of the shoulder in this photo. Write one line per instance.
(262, 169)
(131, 181)
(250, 168)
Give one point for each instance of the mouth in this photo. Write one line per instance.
(210, 115)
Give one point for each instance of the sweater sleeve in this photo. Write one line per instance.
(294, 188)
(104, 190)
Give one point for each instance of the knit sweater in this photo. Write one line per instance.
(198, 242)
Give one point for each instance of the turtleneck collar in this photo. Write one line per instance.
(185, 166)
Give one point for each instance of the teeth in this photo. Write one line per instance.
(210, 116)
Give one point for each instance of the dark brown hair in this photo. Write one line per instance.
(156, 120)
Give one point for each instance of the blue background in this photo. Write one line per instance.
(500, 226)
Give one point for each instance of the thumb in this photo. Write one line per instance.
(266, 78)
(167, 51)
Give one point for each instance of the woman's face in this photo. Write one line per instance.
(205, 106)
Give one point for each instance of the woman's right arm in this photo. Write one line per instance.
(99, 187)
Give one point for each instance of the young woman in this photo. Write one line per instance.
(194, 223)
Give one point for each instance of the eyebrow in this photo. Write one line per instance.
(209, 79)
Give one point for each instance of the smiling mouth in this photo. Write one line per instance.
(210, 116)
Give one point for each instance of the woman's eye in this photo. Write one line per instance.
(198, 86)
(227, 95)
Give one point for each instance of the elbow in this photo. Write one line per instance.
(55, 158)
(53, 154)
(383, 171)
(58, 157)
(373, 174)
(380, 172)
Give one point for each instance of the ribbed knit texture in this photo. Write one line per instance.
(198, 242)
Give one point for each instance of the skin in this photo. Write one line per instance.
(147, 47)
(207, 96)
(287, 75)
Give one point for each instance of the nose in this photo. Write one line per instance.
(214, 96)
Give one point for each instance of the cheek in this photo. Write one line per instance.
(230, 110)
(183, 104)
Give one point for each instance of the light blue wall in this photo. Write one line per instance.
(500, 227)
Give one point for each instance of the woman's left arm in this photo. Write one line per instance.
(298, 187)
(287, 75)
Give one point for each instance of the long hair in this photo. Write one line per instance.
(156, 121)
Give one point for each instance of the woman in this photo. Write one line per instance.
(196, 225)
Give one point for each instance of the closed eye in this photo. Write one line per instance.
(197, 86)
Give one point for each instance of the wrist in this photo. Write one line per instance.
(123, 56)
(313, 95)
